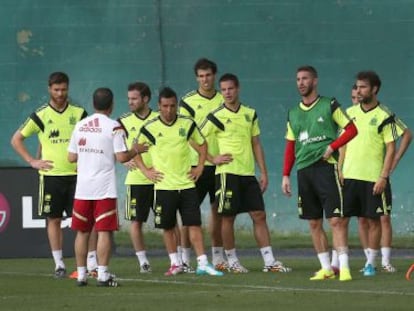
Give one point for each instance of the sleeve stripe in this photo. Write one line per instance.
(215, 121)
(187, 107)
(84, 115)
(38, 122)
(147, 134)
(389, 120)
(191, 130)
(124, 128)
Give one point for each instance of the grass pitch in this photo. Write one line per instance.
(28, 284)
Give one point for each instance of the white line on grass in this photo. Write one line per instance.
(245, 287)
(271, 288)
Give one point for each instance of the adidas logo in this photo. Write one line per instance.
(50, 122)
(228, 121)
(337, 211)
(92, 126)
(320, 119)
(379, 210)
(159, 134)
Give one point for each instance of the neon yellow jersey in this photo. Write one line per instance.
(197, 106)
(170, 150)
(364, 156)
(54, 130)
(132, 124)
(233, 132)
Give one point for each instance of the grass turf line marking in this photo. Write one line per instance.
(270, 288)
(246, 287)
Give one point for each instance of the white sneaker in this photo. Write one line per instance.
(187, 268)
(277, 266)
(145, 268)
(389, 268)
(238, 268)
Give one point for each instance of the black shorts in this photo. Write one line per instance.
(139, 201)
(319, 191)
(238, 194)
(359, 200)
(168, 202)
(206, 184)
(56, 194)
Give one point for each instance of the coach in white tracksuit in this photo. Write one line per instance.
(96, 143)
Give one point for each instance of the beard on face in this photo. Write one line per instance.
(59, 99)
(366, 99)
(306, 91)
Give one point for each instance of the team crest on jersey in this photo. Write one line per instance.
(182, 132)
(247, 117)
(373, 121)
(72, 120)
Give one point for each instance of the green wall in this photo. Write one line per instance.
(111, 43)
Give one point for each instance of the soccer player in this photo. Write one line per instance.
(171, 137)
(335, 259)
(53, 123)
(354, 95)
(311, 139)
(386, 227)
(235, 128)
(379, 130)
(140, 190)
(198, 104)
(96, 143)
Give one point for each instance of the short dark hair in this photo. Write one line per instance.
(371, 76)
(142, 88)
(230, 77)
(103, 99)
(204, 64)
(58, 77)
(166, 92)
(308, 68)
